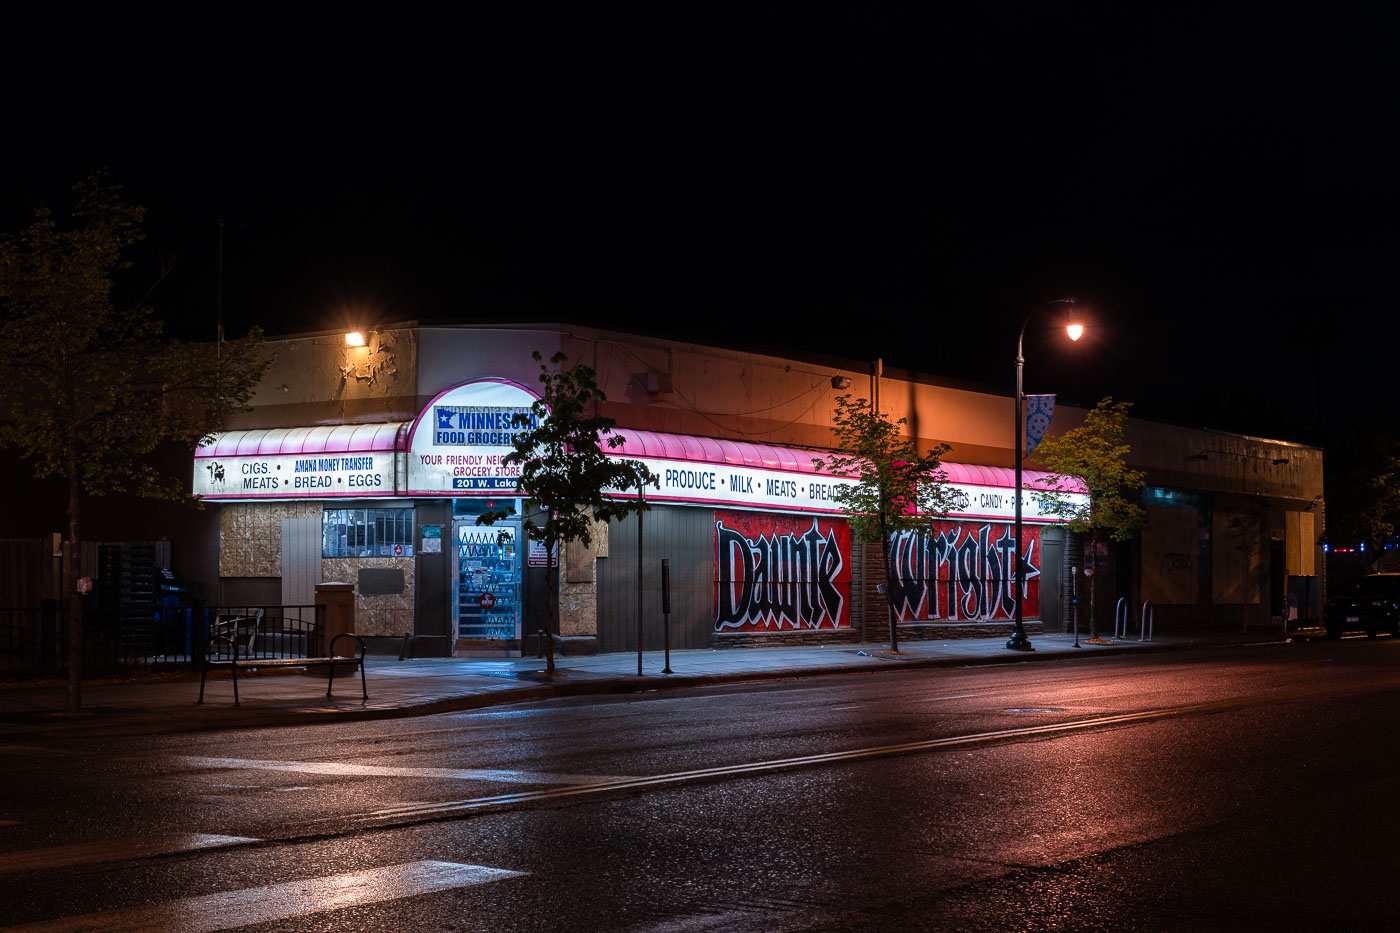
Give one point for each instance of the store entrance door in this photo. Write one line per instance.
(486, 572)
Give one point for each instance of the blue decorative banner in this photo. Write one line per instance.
(1039, 410)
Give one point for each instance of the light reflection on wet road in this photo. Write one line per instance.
(1226, 789)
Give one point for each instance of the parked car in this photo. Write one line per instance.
(1370, 604)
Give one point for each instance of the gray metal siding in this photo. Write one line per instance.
(685, 536)
(301, 560)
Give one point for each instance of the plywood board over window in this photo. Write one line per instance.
(1300, 543)
(1236, 557)
(1169, 556)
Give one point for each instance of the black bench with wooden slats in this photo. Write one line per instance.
(234, 663)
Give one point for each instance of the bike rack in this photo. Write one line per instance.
(1120, 618)
(1147, 611)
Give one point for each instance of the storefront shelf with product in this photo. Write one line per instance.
(486, 584)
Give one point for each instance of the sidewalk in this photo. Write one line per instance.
(438, 685)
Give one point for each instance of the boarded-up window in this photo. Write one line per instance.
(1169, 556)
(1299, 544)
(1235, 556)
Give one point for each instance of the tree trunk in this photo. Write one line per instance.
(1093, 584)
(889, 587)
(74, 703)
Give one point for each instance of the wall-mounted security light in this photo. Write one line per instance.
(840, 382)
(355, 339)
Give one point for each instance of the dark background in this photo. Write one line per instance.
(1218, 190)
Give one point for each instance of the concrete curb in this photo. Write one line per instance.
(211, 718)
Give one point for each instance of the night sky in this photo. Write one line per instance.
(1219, 191)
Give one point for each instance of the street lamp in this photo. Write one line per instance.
(1018, 640)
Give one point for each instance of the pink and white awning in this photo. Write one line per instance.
(375, 460)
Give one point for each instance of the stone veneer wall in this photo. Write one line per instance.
(250, 545)
(578, 583)
(391, 614)
(250, 536)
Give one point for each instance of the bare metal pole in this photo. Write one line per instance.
(1018, 640)
(642, 498)
(219, 305)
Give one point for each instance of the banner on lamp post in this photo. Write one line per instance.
(1039, 410)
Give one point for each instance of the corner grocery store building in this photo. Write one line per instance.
(369, 465)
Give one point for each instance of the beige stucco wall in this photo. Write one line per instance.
(740, 395)
(320, 380)
(250, 536)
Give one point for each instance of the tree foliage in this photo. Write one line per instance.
(1363, 492)
(564, 471)
(1095, 453)
(891, 486)
(92, 390)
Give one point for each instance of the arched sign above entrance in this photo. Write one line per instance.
(459, 439)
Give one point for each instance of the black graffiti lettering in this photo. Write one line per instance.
(1172, 562)
(734, 601)
(952, 573)
(1005, 584)
(970, 581)
(909, 588)
(829, 565)
(778, 581)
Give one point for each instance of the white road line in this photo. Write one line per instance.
(86, 853)
(956, 696)
(345, 769)
(447, 808)
(232, 909)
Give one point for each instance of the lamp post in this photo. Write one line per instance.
(1018, 640)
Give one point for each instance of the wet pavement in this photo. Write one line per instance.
(425, 686)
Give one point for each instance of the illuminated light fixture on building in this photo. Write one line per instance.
(1075, 331)
(355, 339)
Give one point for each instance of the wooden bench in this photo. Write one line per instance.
(219, 659)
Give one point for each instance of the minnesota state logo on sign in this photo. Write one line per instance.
(458, 443)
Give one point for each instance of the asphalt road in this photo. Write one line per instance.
(1244, 788)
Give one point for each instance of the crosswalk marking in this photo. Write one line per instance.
(345, 769)
(87, 853)
(231, 909)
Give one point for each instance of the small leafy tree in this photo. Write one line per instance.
(564, 471)
(92, 390)
(1096, 453)
(1363, 495)
(893, 487)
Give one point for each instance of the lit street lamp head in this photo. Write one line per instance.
(1075, 331)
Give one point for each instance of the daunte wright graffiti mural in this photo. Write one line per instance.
(781, 572)
(963, 571)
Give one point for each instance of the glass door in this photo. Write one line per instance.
(486, 580)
